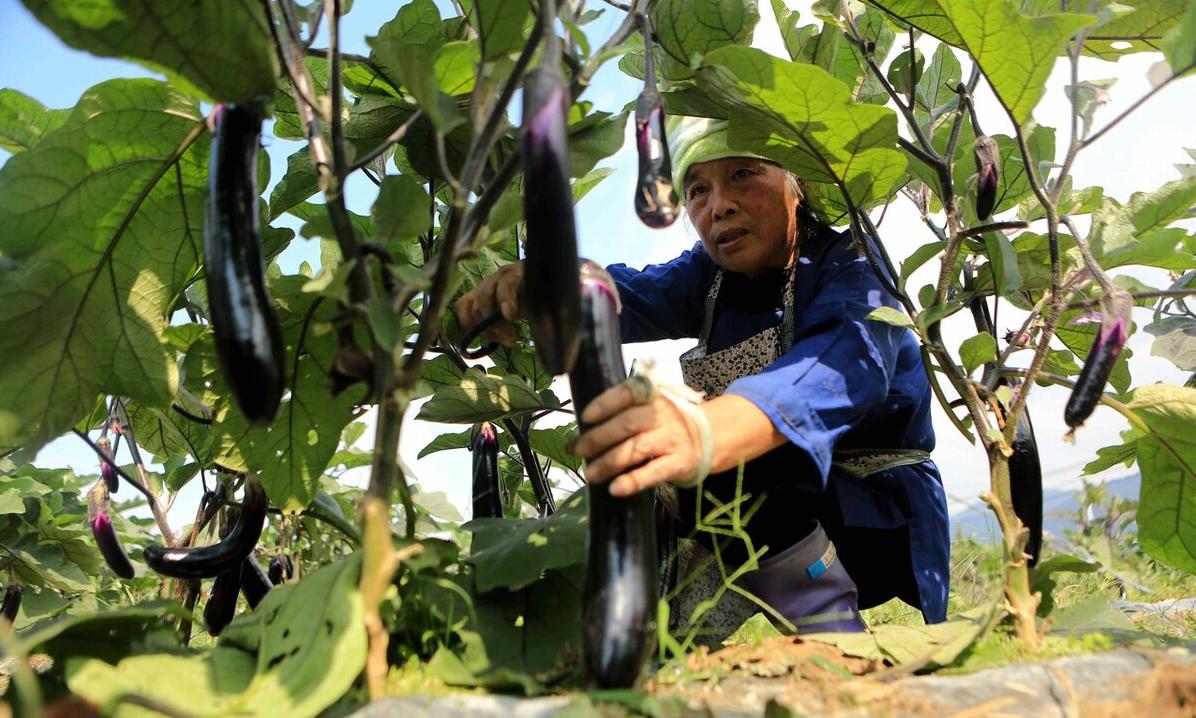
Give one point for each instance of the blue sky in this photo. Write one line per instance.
(1135, 156)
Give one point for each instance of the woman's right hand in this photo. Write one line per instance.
(499, 291)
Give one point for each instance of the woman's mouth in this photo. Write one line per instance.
(729, 238)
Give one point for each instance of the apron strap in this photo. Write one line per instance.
(708, 310)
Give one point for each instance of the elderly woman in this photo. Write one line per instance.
(827, 411)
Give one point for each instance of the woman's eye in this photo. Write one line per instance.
(742, 172)
(695, 191)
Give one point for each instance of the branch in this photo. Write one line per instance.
(151, 499)
(394, 137)
(1158, 294)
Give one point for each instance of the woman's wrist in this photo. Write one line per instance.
(741, 431)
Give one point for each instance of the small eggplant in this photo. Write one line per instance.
(550, 285)
(619, 611)
(110, 548)
(224, 555)
(487, 487)
(987, 156)
(222, 601)
(656, 201)
(248, 337)
(255, 584)
(1110, 338)
(12, 602)
(281, 570)
(107, 470)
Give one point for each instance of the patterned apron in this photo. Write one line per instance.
(712, 373)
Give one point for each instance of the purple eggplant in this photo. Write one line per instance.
(107, 468)
(487, 486)
(248, 337)
(1025, 484)
(12, 602)
(1086, 393)
(987, 156)
(656, 201)
(281, 570)
(551, 298)
(222, 601)
(222, 556)
(620, 594)
(110, 548)
(255, 584)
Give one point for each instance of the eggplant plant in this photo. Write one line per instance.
(150, 281)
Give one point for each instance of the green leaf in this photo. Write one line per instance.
(1109, 456)
(1078, 337)
(551, 443)
(1167, 458)
(481, 397)
(805, 119)
(108, 635)
(1179, 44)
(1138, 232)
(101, 234)
(297, 184)
(753, 631)
(795, 38)
(935, 97)
(925, 15)
(935, 313)
(1043, 578)
(686, 29)
(977, 350)
(402, 208)
(500, 24)
(24, 121)
(513, 553)
(221, 49)
(1175, 341)
(939, 644)
(1015, 52)
(455, 67)
(889, 315)
(446, 442)
(406, 48)
(595, 138)
(920, 256)
(1142, 30)
(163, 433)
(294, 655)
(1002, 263)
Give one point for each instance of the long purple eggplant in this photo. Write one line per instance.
(1025, 483)
(1086, 393)
(107, 470)
(248, 337)
(105, 533)
(222, 601)
(255, 584)
(281, 570)
(619, 612)
(487, 486)
(550, 285)
(223, 556)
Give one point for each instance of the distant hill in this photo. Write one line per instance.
(1059, 508)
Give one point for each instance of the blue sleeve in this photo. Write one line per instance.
(664, 301)
(839, 366)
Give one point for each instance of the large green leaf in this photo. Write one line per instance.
(806, 119)
(1142, 30)
(500, 24)
(102, 223)
(24, 120)
(401, 209)
(222, 49)
(1167, 457)
(1179, 44)
(294, 655)
(1138, 232)
(1016, 53)
(514, 553)
(687, 29)
(1175, 340)
(483, 397)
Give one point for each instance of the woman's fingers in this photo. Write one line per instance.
(622, 457)
(598, 439)
(653, 473)
(608, 403)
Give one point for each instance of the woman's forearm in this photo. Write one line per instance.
(741, 430)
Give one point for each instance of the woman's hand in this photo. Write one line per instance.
(636, 446)
(498, 291)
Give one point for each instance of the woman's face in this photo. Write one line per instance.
(744, 212)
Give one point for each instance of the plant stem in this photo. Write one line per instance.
(1157, 294)
(1115, 121)
(994, 227)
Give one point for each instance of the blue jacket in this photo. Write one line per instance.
(846, 382)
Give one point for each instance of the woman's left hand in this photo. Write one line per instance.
(636, 446)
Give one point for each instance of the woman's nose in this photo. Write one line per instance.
(723, 205)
